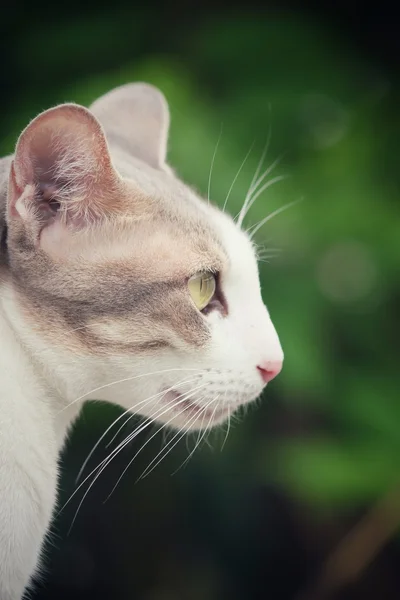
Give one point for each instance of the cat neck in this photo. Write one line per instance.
(26, 383)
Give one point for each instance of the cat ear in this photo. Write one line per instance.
(135, 117)
(62, 169)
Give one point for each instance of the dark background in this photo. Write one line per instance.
(303, 502)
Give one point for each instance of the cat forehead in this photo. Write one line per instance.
(151, 249)
(170, 241)
(164, 223)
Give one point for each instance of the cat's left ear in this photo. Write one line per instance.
(135, 118)
(62, 171)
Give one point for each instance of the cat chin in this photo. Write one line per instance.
(185, 424)
(190, 415)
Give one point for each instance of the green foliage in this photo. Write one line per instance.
(331, 472)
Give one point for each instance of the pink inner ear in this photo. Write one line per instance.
(49, 191)
(63, 154)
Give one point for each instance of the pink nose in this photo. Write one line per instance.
(270, 369)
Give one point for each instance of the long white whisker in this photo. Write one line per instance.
(253, 230)
(269, 252)
(203, 433)
(264, 152)
(266, 185)
(147, 470)
(106, 461)
(211, 421)
(171, 404)
(265, 174)
(256, 174)
(267, 257)
(264, 260)
(212, 164)
(236, 176)
(128, 410)
(199, 438)
(227, 429)
(151, 398)
(163, 426)
(123, 381)
(249, 200)
(163, 437)
(113, 453)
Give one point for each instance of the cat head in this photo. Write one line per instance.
(133, 289)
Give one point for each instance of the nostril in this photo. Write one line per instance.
(269, 370)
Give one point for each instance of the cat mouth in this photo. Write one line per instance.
(189, 408)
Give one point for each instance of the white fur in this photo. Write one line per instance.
(28, 464)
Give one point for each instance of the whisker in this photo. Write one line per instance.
(187, 441)
(236, 176)
(241, 214)
(147, 470)
(269, 249)
(212, 164)
(164, 437)
(212, 419)
(227, 429)
(163, 426)
(152, 398)
(102, 387)
(267, 257)
(199, 439)
(264, 187)
(269, 254)
(249, 199)
(128, 410)
(206, 441)
(105, 462)
(265, 174)
(254, 228)
(265, 150)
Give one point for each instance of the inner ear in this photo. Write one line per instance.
(135, 118)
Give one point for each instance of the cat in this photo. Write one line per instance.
(117, 283)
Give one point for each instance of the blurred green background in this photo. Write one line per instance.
(302, 503)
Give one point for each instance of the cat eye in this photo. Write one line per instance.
(202, 288)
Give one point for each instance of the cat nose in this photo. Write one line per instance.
(269, 369)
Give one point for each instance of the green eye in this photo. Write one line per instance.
(202, 288)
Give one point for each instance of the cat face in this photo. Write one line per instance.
(133, 289)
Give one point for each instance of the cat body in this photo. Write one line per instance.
(117, 283)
